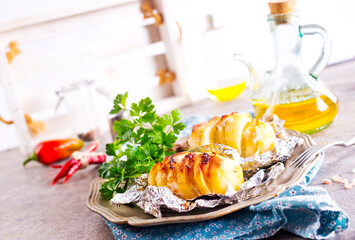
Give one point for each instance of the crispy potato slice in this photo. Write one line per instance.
(162, 173)
(195, 138)
(220, 130)
(184, 177)
(224, 172)
(209, 131)
(267, 138)
(258, 137)
(200, 168)
(153, 174)
(234, 126)
(173, 163)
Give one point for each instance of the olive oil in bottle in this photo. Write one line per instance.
(308, 116)
(290, 90)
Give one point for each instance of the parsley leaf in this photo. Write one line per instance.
(141, 142)
(176, 115)
(111, 149)
(119, 103)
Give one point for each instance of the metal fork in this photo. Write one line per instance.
(309, 153)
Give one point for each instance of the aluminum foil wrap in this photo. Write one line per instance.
(259, 171)
(153, 200)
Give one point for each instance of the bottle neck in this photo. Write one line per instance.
(286, 39)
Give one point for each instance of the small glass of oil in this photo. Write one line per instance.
(226, 90)
(222, 74)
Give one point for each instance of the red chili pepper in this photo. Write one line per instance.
(72, 170)
(70, 167)
(54, 150)
(96, 159)
(64, 170)
(92, 147)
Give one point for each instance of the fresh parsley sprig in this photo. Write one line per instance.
(141, 141)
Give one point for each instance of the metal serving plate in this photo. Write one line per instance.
(129, 214)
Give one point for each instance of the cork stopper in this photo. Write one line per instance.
(282, 6)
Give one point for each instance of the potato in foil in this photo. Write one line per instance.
(190, 175)
(238, 130)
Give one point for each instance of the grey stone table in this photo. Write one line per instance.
(32, 209)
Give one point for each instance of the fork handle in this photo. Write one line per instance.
(348, 143)
(336, 143)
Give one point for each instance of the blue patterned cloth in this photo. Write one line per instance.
(303, 210)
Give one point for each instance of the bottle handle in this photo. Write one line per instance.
(254, 78)
(311, 29)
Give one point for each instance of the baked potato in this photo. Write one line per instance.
(190, 175)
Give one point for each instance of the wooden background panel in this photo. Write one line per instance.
(16, 14)
(72, 41)
(115, 47)
(111, 43)
(87, 51)
(135, 75)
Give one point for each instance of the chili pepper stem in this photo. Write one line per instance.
(33, 157)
